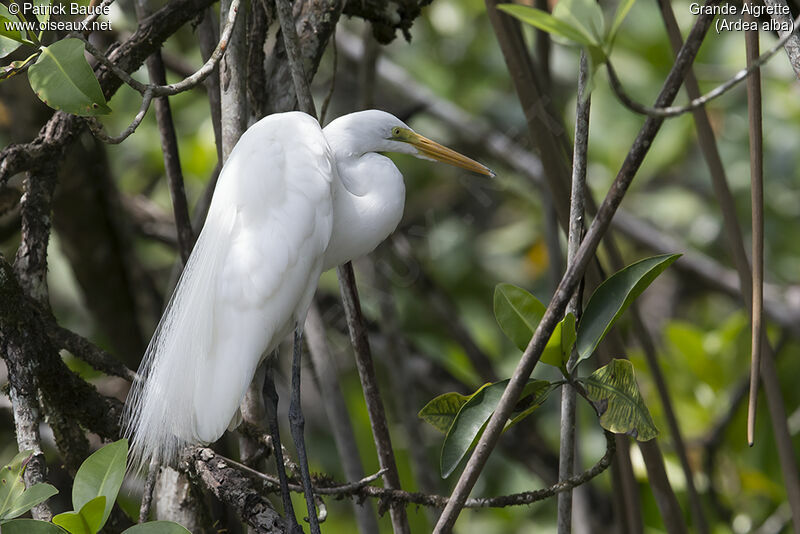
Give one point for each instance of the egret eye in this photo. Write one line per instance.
(396, 131)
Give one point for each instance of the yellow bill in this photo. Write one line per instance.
(433, 150)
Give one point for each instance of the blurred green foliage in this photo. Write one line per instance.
(469, 235)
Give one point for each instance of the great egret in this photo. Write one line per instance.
(292, 201)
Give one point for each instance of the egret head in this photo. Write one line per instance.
(378, 131)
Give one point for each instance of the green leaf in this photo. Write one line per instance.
(622, 12)
(63, 79)
(546, 22)
(585, 16)
(468, 424)
(30, 526)
(441, 411)
(93, 513)
(10, 39)
(72, 522)
(36, 494)
(157, 527)
(517, 312)
(559, 347)
(613, 297)
(42, 5)
(11, 483)
(615, 394)
(101, 474)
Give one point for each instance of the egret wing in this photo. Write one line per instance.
(249, 279)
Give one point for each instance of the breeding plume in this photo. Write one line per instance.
(292, 201)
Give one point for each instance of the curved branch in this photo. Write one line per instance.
(674, 111)
(97, 128)
(174, 88)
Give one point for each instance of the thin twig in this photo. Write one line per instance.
(147, 492)
(571, 278)
(88, 352)
(566, 458)
(369, 383)
(693, 263)
(341, 425)
(97, 128)
(174, 88)
(757, 213)
(781, 14)
(673, 111)
(658, 482)
(350, 301)
(327, 102)
(169, 147)
(363, 488)
(290, 41)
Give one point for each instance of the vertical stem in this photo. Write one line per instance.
(352, 307)
(668, 505)
(569, 282)
(543, 44)
(630, 504)
(324, 368)
(566, 459)
(207, 38)
(30, 267)
(169, 147)
(369, 383)
(290, 41)
(757, 207)
(233, 101)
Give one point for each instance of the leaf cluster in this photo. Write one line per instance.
(94, 491)
(58, 73)
(612, 389)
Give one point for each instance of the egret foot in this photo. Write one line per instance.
(292, 527)
(297, 424)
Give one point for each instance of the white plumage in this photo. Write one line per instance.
(292, 199)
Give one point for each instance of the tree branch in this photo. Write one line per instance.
(555, 309)
(203, 460)
(673, 111)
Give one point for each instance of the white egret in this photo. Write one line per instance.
(292, 201)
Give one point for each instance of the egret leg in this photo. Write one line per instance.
(297, 423)
(272, 418)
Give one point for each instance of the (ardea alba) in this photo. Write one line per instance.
(292, 201)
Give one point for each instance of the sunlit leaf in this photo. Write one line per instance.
(72, 522)
(36, 494)
(517, 312)
(613, 297)
(441, 411)
(11, 484)
(615, 394)
(468, 424)
(622, 11)
(63, 79)
(42, 6)
(559, 347)
(547, 22)
(584, 15)
(10, 39)
(101, 474)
